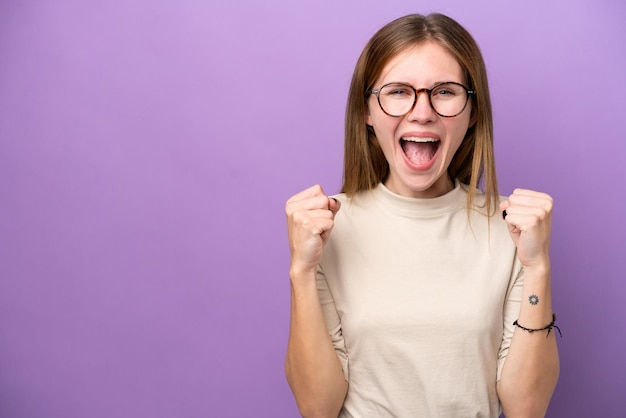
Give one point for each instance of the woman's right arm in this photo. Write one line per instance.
(313, 369)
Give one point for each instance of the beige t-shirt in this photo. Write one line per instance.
(419, 304)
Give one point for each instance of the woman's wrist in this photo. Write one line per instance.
(297, 270)
(538, 271)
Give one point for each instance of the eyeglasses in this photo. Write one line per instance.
(447, 99)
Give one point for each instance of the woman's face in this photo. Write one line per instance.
(419, 145)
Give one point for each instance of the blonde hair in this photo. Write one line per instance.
(473, 164)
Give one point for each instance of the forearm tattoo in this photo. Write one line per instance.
(533, 299)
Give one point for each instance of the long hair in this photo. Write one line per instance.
(473, 164)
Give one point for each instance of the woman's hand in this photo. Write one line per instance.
(529, 218)
(310, 219)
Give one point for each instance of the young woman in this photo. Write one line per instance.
(412, 294)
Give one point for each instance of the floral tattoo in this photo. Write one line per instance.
(533, 299)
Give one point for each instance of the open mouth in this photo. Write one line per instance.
(419, 151)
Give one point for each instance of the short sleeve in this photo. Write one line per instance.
(511, 310)
(333, 320)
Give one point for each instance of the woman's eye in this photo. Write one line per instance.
(398, 92)
(447, 91)
(444, 92)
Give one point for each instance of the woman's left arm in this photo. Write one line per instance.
(531, 369)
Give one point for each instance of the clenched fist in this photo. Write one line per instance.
(529, 218)
(310, 219)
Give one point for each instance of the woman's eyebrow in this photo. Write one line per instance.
(436, 83)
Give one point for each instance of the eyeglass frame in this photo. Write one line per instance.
(468, 93)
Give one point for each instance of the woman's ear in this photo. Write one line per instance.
(473, 117)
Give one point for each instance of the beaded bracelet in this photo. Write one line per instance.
(547, 327)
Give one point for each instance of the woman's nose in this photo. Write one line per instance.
(422, 112)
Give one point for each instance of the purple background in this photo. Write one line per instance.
(147, 149)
